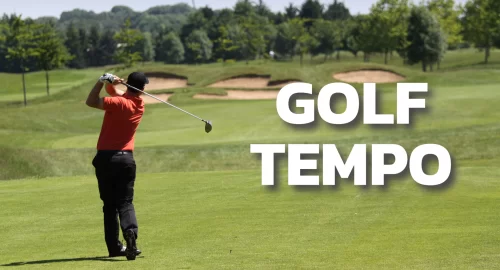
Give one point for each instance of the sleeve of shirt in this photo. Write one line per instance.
(113, 104)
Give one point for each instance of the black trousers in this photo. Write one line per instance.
(115, 172)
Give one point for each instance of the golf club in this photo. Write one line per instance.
(208, 124)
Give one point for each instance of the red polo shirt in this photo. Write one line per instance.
(121, 119)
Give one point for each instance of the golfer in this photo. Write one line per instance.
(114, 162)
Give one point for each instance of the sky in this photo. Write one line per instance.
(39, 8)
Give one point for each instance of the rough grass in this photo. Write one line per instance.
(199, 199)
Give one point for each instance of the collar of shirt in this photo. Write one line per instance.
(129, 96)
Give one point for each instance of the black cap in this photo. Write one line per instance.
(137, 80)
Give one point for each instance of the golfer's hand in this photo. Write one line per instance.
(117, 80)
(107, 78)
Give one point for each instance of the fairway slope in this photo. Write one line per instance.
(241, 95)
(281, 83)
(254, 81)
(369, 76)
(150, 100)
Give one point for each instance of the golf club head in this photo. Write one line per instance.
(208, 126)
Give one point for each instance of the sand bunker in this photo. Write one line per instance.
(241, 95)
(150, 100)
(244, 81)
(252, 82)
(162, 80)
(369, 76)
(161, 83)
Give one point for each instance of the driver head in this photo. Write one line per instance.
(208, 126)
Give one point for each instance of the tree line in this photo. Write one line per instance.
(419, 33)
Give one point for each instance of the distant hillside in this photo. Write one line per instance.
(151, 20)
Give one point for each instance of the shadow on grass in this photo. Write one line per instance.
(103, 259)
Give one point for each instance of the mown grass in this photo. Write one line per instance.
(199, 199)
(460, 113)
(36, 87)
(62, 121)
(226, 220)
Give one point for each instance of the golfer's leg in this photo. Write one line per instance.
(125, 190)
(128, 219)
(104, 174)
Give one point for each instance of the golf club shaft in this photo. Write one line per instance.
(163, 101)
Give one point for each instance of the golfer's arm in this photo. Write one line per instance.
(93, 100)
(112, 91)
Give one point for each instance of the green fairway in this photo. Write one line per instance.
(36, 86)
(199, 199)
(226, 220)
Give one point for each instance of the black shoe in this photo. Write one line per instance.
(131, 250)
(121, 253)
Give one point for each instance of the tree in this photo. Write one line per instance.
(171, 50)
(177, 9)
(448, 16)
(426, 38)
(145, 47)
(148, 52)
(262, 10)
(75, 47)
(365, 37)
(482, 23)
(151, 20)
(279, 18)
(285, 43)
(304, 40)
(311, 9)
(50, 51)
(46, 19)
(127, 39)
(20, 44)
(196, 21)
(93, 53)
(291, 12)
(343, 35)
(207, 12)
(270, 33)
(328, 37)
(199, 47)
(390, 22)
(3, 29)
(347, 28)
(244, 8)
(337, 11)
(83, 39)
(251, 36)
(107, 48)
(226, 43)
(223, 18)
(3, 47)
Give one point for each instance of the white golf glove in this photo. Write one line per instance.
(107, 77)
